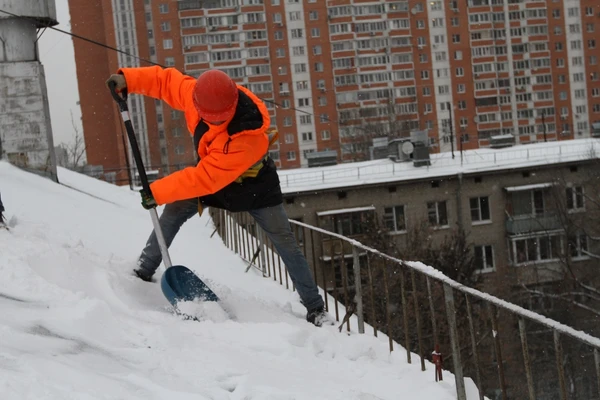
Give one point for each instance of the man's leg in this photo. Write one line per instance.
(172, 218)
(274, 221)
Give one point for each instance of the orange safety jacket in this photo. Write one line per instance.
(226, 151)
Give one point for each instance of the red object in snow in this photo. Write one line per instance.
(437, 360)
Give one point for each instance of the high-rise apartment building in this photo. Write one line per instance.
(337, 74)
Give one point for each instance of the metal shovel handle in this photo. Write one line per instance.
(137, 156)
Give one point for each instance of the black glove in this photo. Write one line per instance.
(148, 201)
(119, 80)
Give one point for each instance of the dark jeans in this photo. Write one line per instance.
(273, 221)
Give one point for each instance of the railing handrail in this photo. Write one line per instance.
(439, 276)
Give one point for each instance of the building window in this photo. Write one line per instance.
(284, 88)
(307, 137)
(163, 8)
(179, 149)
(480, 209)
(291, 155)
(347, 224)
(300, 68)
(165, 26)
(325, 135)
(322, 101)
(175, 115)
(278, 35)
(575, 198)
(302, 85)
(534, 249)
(578, 245)
(313, 15)
(167, 44)
(304, 102)
(305, 119)
(280, 52)
(274, 155)
(289, 138)
(315, 32)
(484, 258)
(287, 121)
(528, 203)
(176, 132)
(437, 213)
(394, 219)
(298, 50)
(169, 61)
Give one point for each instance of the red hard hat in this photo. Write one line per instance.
(215, 96)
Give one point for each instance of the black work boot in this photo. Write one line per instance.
(319, 317)
(142, 273)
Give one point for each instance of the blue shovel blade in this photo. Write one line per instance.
(179, 283)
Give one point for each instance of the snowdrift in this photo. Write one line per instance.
(77, 325)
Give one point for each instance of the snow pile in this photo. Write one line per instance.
(76, 325)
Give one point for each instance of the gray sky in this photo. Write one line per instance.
(56, 54)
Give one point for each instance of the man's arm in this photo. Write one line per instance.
(213, 172)
(166, 84)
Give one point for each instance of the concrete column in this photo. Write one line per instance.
(25, 128)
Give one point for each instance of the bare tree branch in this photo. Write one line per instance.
(560, 297)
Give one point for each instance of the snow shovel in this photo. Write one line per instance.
(178, 283)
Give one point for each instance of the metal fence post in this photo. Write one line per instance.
(260, 239)
(456, 361)
(236, 234)
(526, 360)
(559, 366)
(358, 289)
(597, 365)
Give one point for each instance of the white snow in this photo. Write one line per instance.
(76, 325)
(442, 165)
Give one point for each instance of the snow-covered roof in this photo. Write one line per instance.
(442, 165)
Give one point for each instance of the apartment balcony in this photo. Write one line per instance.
(516, 225)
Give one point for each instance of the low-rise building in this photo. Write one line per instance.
(530, 212)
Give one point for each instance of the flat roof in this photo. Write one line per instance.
(442, 165)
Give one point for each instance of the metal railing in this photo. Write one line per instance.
(508, 351)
